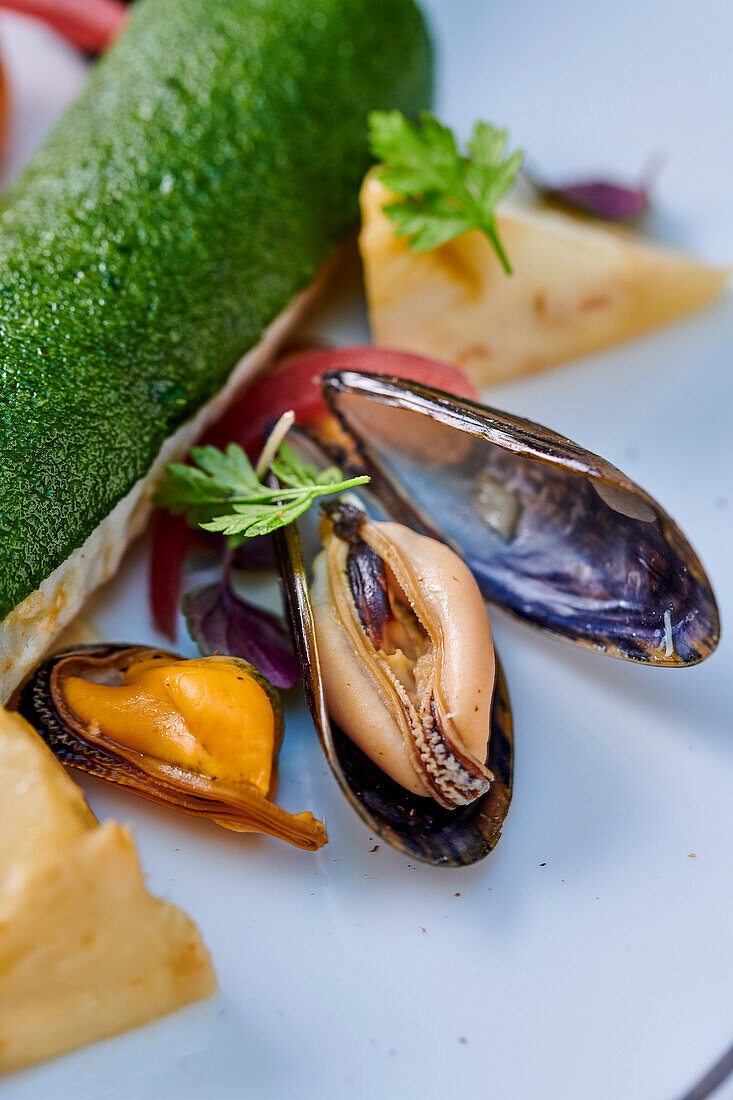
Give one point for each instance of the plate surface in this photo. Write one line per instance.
(591, 955)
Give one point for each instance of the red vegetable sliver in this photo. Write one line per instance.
(90, 25)
(171, 541)
(296, 385)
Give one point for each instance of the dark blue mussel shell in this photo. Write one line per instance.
(554, 534)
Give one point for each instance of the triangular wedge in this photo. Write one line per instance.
(85, 950)
(577, 287)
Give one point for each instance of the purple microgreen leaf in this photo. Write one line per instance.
(610, 202)
(220, 622)
(607, 200)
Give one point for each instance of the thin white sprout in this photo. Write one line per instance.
(274, 440)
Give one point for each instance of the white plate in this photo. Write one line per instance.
(591, 957)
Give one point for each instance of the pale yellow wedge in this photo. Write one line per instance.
(85, 950)
(577, 287)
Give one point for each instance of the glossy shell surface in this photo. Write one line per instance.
(554, 534)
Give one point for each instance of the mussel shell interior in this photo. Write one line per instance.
(417, 827)
(554, 534)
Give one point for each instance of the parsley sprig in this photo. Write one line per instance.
(222, 491)
(443, 192)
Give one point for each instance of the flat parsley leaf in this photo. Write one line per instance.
(442, 193)
(223, 493)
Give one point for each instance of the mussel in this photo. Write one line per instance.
(416, 825)
(552, 533)
(200, 736)
(406, 654)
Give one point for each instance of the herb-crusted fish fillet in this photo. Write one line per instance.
(168, 225)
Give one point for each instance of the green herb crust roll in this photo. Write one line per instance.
(210, 166)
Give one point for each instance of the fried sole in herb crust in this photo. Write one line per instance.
(29, 631)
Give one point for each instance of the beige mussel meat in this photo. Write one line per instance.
(406, 654)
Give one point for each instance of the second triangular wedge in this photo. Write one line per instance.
(577, 287)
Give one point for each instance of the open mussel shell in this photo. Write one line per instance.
(42, 703)
(416, 826)
(554, 535)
